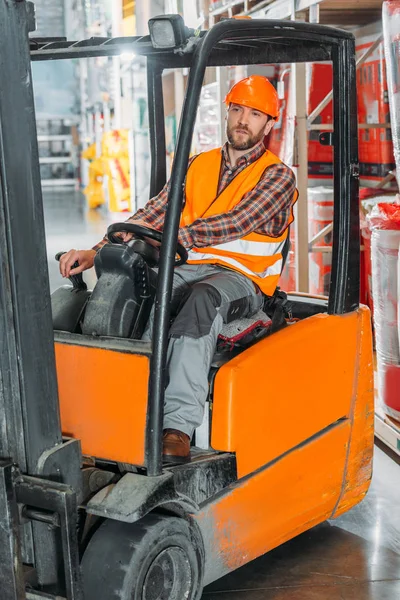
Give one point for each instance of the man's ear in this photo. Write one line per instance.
(269, 125)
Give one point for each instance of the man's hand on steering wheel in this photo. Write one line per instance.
(118, 232)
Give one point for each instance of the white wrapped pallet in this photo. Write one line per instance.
(385, 256)
(385, 244)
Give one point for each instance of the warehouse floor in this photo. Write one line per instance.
(356, 557)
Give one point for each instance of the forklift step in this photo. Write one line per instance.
(205, 475)
(42, 596)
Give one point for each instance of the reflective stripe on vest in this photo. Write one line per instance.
(257, 256)
(275, 269)
(244, 246)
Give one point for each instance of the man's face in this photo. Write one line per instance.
(246, 126)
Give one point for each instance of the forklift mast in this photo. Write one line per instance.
(30, 434)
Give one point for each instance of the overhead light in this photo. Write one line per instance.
(168, 31)
(127, 55)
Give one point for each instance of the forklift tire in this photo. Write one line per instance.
(156, 558)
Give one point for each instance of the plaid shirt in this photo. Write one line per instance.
(265, 209)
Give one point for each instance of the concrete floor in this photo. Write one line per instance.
(356, 557)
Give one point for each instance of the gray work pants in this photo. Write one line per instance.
(204, 297)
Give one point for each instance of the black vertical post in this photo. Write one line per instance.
(29, 396)
(345, 278)
(157, 180)
(155, 410)
(158, 174)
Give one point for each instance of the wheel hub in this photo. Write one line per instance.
(169, 576)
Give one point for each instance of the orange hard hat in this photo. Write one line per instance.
(256, 92)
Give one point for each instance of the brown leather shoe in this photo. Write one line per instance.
(176, 446)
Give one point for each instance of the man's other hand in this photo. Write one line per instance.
(85, 259)
(125, 236)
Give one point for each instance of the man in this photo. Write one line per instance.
(234, 224)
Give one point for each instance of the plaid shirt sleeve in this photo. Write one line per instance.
(266, 209)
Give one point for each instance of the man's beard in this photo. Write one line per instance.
(248, 143)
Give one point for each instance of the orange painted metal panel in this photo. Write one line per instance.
(285, 389)
(275, 504)
(103, 400)
(360, 453)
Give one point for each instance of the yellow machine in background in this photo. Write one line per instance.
(109, 173)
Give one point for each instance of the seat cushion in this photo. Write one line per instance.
(237, 331)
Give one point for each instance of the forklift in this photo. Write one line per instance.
(88, 509)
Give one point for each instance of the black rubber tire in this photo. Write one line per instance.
(156, 558)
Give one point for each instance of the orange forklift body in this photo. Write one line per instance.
(107, 410)
(303, 452)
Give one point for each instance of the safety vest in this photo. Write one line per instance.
(257, 256)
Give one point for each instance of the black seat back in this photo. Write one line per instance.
(123, 296)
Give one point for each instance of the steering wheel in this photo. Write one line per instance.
(141, 233)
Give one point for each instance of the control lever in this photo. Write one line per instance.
(76, 280)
